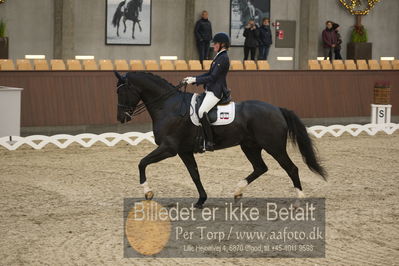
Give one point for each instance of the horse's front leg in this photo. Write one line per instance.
(159, 154)
(189, 161)
(134, 25)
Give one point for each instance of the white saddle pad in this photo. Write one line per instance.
(225, 113)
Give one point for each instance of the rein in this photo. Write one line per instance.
(140, 108)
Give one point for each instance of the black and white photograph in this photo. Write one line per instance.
(241, 11)
(128, 22)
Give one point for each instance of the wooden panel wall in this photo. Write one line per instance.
(53, 98)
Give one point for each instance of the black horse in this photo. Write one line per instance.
(131, 12)
(258, 126)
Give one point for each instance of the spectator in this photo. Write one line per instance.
(203, 34)
(337, 49)
(251, 34)
(329, 40)
(265, 39)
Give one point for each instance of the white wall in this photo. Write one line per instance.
(29, 26)
(382, 24)
(285, 10)
(219, 15)
(167, 31)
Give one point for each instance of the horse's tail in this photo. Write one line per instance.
(117, 14)
(299, 135)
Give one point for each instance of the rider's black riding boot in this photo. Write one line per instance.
(206, 126)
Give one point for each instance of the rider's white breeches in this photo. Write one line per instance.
(209, 102)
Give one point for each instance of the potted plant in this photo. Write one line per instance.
(359, 47)
(382, 93)
(3, 41)
(359, 34)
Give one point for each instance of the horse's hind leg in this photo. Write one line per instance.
(117, 27)
(138, 23)
(134, 25)
(239, 30)
(189, 161)
(254, 154)
(285, 162)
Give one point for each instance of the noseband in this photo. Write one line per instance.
(128, 110)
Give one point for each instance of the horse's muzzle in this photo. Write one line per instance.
(124, 116)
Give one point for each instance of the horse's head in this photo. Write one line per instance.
(128, 98)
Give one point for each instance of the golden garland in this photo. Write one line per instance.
(2, 1)
(356, 3)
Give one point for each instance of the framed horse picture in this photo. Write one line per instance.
(128, 22)
(241, 11)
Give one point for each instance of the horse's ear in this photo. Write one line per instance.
(118, 76)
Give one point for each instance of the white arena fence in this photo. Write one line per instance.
(62, 141)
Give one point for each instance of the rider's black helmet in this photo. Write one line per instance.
(222, 37)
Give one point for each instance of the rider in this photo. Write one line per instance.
(251, 8)
(214, 82)
(124, 6)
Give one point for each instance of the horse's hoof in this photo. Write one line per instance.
(198, 205)
(237, 197)
(149, 195)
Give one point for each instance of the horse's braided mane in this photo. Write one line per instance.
(153, 77)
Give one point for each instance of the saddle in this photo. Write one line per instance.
(212, 114)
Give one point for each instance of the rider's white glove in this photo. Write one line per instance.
(190, 80)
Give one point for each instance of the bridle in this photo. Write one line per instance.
(128, 110)
(131, 111)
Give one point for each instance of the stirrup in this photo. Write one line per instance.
(208, 146)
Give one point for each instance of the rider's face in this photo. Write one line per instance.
(216, 47)
(205, 15)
